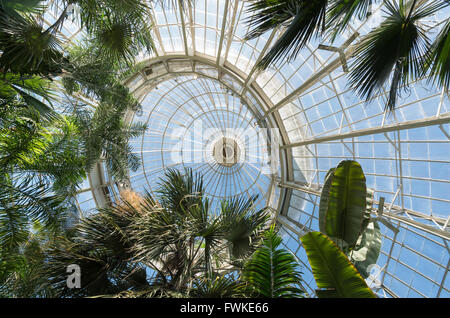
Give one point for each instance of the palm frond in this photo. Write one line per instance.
(218, 287)
(272, 272)
(438, 59)
(304, 20)
(242, 222)
(397, 46)
(341, 12)
(180, 190)
(28, 90)
(27, 48)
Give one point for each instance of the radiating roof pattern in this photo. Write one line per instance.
(203, 72)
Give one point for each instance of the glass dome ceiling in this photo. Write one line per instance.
(202, 74)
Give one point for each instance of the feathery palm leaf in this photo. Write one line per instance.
(22, 201)
(23, 91)
(272, 272)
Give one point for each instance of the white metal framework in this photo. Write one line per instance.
(203, 67)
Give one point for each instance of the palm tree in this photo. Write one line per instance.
(176, 237)
(303, 20)
(26, 47)
(40, 164)
(398, 47)
(398, 51)
(438, 59)
(119, 28)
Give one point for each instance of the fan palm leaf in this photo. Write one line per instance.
(396, 47)
(303, 20)
(180, 190)
(341, 12)
(241, 222)
(438, 58)
(27, 48)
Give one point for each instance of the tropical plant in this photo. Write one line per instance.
(272, 272)
(176, 237)
(395, 53)
(303, 20)
(438, 59)
(26, 47)
(398, 47)
(18, 91)
(218, 287)
(367, 250)
(344, 214)
(21, 271)
(342, 211)
(120, 29)
(341, 12)
(335, 275)
(40, 167)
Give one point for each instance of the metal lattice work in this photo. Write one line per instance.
(202, 67)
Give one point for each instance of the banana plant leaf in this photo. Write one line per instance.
(323, 207)
(344, 203)
(332, 270)
(368, 251)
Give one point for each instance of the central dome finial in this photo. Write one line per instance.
(226, 152)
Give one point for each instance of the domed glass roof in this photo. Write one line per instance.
(286, 127)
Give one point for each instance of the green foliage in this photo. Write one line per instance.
(40, 168)
(438, 59)
(218, 287)
(335, 275)
(344, 214)
(186, 247)
(396, 47)
(304, 19)
(27, 47)
(342, 12)
(100, 248)
(367, 251)
(240, 221)
(342, 209)
(272, 272)
(25, 92)
(394, 54)
(118, 28)
(104, 131)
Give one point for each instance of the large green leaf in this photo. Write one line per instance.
(332, 270)
(323, 207)
(343, 202)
